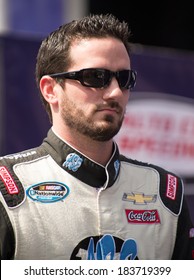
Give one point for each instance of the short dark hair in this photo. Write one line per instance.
(53, 55)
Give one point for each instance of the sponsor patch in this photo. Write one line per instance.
(18, 156)
(105, 247)
(73, 162)
(116, 166)
(171, 187)
(8, 181)
(47, 192)
(142, 216)
(139, 198)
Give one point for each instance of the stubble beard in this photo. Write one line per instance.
(76, 119)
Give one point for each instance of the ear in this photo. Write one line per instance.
(47, 87)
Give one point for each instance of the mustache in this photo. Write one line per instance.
(110, 105)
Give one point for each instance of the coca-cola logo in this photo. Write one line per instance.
(142, 216)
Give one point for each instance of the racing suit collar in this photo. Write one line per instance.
(80, 166)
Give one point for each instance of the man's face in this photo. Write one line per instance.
(95, 112)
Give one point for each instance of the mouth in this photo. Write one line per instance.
(109, 111)
(112, 108)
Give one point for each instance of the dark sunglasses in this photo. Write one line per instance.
(100, 78)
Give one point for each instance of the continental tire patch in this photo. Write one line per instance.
(47, 192)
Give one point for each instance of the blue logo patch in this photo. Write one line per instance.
(47, 192)
(116, 166)
(73, 162)
(106, 247)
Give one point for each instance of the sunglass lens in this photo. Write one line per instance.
(96, 78)
(127, 79)
(124, 77)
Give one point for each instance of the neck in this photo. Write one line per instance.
(97, 151)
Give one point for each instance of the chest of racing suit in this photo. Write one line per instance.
(58, 204)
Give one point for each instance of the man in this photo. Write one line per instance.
(75, 196)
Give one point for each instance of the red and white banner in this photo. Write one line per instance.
(159, 129)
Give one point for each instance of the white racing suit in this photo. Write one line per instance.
(56, 203)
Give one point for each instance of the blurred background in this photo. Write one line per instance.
(159, 123)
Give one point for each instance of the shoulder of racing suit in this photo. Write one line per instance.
(171, 187)
(10, 186)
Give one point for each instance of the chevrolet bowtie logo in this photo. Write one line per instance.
(139, 198)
